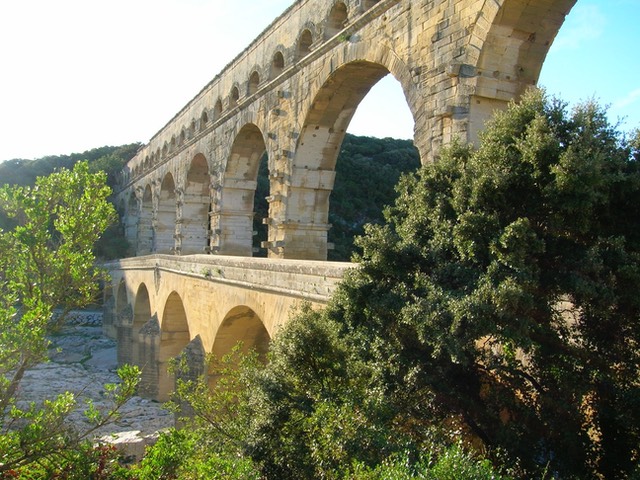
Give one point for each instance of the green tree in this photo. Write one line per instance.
(47, 268)
(500, 299)
(313, 411)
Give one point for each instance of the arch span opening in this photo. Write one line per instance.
(314, 174)
(131, 222)
(195, 208)
(241, 325)
(232, 219)
(122, 299)
(166, 226)
(174, 337)
(145, 224)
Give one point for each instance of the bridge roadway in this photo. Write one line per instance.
(164, 304)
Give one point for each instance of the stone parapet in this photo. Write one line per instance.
(314, 281)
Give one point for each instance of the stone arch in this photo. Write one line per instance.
(241, 324)
(196, 206)
(145, 224)
(254, 83)
(305, 40)
(234, 96)
(122, 299)
(337, 19)
(128, 345)
(312, 177)
(111, 308)
(166, 225)
(233, 217)
(204, 120)
(131, 220)
(174, 337)
(141, 308)
(277, 65)
(515, 38)
(217, 110)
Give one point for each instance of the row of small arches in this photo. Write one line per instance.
(338, 17)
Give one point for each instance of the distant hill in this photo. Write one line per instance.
(110, 159)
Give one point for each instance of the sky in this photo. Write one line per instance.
(80, 74)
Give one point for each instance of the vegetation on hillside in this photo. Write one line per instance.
(367, 170)
(110, 160)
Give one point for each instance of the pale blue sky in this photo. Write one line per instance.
(79, 74)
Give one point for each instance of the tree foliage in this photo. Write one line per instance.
(501, 296)
(110, 160)
(47, 264)
(313, 411)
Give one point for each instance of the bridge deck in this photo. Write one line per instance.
(309, 280)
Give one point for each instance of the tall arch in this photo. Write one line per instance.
(141, 308)
(131, 221)
(515, 38)
(233, 217)
(145, 224)
(234, 96)
(305, 230)
(204, 119)
(254, 83)
(195, 207)
(128, 345)
(277, 65)
(217, 110)
(304, 44)
(166, 226)
(114, 309)
(174, 337)
(122, 299)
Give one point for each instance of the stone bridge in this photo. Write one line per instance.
(163, 304)
(187, 198)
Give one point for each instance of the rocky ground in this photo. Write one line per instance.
(82, 361)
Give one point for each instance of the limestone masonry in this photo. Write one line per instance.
(291, 93)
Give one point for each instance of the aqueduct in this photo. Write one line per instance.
(187, 197)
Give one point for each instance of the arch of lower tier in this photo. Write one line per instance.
(170, 312)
